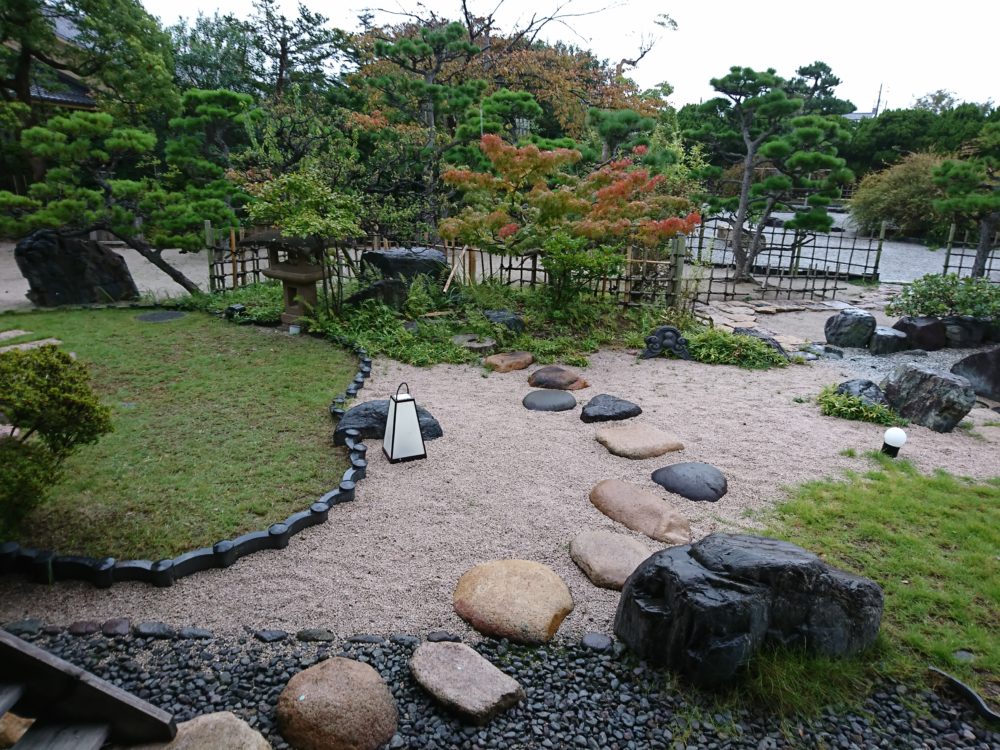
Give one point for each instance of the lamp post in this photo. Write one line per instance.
(403, 440)
(892, 441)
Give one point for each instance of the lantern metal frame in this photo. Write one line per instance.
(391, 419)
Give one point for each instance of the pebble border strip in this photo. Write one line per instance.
(47, 566)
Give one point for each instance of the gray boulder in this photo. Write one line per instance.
(866, 390)
(767, 338)
(932, 398)
(888, 341)
(606, 408)
(704, 609)
(512, 320)
(390, 292)
(694, 480)
(370, 418)
(965, 332)
(549, 401)
(925, 333)
(64, 270)
(407, 262)
(850, 327)
(982, 370)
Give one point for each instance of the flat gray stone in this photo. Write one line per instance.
(606, 408)
(549, 401)
(463, 681)
(694, 480)
(160, 316)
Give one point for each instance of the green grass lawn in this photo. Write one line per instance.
(219, 429)
(933, 544)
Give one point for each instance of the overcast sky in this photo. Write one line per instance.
(908, 48)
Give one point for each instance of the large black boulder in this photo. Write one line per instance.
(932, 398)
(704, 609)
(982, 370)
(370, 418)
(65, 270)
(927, 333)
(607, 408)
(888, 341)
(866, 390)
(512, 320)
(965, 332)
(407, 262)
(850, 327)
(390, 292)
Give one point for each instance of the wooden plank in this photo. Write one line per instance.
(63, 737)
(59, 691)
(9, 695)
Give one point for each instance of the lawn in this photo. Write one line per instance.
(931, 543)
(218, 429)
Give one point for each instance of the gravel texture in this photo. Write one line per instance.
(505, 482)
(576, 697)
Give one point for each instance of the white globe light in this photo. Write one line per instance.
(894, 437)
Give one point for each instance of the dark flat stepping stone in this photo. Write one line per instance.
(160, 316)
(694, 480)
(549, 401)
(606, 408)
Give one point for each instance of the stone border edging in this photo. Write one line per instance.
(47, 566)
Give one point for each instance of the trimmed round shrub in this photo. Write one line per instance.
(946, 294)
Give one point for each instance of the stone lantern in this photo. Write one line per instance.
(298, 275)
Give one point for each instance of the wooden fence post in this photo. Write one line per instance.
(232, 252)
(948, 246)
(210, 252)
(677, 283)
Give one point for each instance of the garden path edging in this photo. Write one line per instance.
(47, 566)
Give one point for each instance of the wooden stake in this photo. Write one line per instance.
(232, 251)
(454, 268)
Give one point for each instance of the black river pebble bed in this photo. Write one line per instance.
(577, 697)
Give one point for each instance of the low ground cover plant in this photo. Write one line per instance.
(845, 406)
(947, 294)
(717, 347)
(219, 430)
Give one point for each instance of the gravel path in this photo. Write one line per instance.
(575, 698)
(504, 482)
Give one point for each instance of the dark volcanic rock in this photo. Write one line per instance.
(606, 408)
(925, 333)
(549, 401)
(850, 327)
(888, 341)
(505, 318)
(71, 271)
(767, 338)
(390, 292)
(704, 609)
(935, 399)
(154, 630)
(964, 332)
(694, 480)
(117, 626)
(982, 370)
(407, 262)
(866, 390)
(597, 642)
(370, 417)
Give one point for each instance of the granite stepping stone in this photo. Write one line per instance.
(637, 441)
(549, 401)
(463, 681)
(640, 510)
(607, 558)
(556, 377)
(521, 600)
(694, 480)
(474, 343)
(606, 408)
(13, 334)
(509, 361)
(29, 345)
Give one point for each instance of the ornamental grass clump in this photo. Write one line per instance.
(845, 406)
(717, 347)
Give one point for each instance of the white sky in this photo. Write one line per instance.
(910, 48)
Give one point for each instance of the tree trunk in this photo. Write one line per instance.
(987, 228)
(740, 254)
(155, 257)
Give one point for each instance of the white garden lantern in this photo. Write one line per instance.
(892, 441)
(403, 441)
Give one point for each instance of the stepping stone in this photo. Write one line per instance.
(640, 510)
(637, 441)
(13, 334)
(607, 558)
(474, 343)
(29, 345)
(521, 600)
(319, 635)
(557, 377)
(463, 681)
(549, 401)
(694, 480)
(338, 703)
(219, 730)
(509, 361)
(160, 316)
(606, 408)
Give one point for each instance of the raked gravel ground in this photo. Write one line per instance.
(504, 482)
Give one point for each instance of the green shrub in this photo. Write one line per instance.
(833, 404)
(947, 294)
(718, 347)
(902, 195)
(264, 302)
(45, 394)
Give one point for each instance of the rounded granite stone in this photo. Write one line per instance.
(549, 401)
(694, 480)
